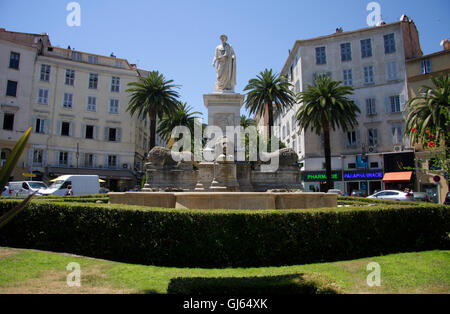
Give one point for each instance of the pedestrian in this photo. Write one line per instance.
(69, 191)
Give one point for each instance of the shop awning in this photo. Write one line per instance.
(392, 177)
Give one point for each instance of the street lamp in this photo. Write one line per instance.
(365, 160)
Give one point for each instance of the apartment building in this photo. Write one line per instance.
(430, 178)
(77, 105)
(17, 56)
(372, 60)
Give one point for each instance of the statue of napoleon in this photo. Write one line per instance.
(225, 61)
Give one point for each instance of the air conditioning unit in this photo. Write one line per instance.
(125, 166)
(398, 149)
(372, 149)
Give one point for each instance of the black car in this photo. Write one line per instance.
(447, 199)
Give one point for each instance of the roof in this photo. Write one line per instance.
(398, 177)
(102, 173)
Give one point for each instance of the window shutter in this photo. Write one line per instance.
(59, 127)
(119, 135)
(46, 126)
(30, 157)
(106, 133)
(83, 131)
(119, 165)
(95, 132)
(402, 102)
(387, 104)
(72, 129)
(34, 123)
(95, 162)
(69, 159)
(105, 162)
(56, 159)
(358, 137)
(375, 136)
(45, 158)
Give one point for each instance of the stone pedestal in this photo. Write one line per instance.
(224, 109)
(225, 177)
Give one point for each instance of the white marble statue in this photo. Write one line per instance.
(225, 63)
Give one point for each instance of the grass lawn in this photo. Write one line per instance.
(30, 271)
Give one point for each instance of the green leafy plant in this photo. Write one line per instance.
(5, 173)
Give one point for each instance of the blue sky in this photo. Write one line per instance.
(178, 37)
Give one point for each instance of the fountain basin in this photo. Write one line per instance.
(225, 200)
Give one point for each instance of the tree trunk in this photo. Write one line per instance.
(327, 148)
(152, 129)
(270, 109)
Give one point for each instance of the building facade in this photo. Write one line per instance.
(372, 60)
(76, 105)
(430, 178)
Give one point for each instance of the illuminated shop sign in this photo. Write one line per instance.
(321, 176)
(362, 175)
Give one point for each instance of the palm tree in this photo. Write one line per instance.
(152, 96)
(182, 116)
(326, 107)
(266, 91)
(428, 112)
(246, 122)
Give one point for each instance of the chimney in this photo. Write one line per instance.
(446, 44)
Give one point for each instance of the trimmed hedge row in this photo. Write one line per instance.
(215, 238)
(308, 284)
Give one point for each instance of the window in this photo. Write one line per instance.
(284, 131)
(89, 133)
(93, 81)
(368, 75)
(38, 156)
(288, 129)
(11, 89)
(395, 103)
(294, 122)
(76, 56)
(397, 134)
(112, 134)
(114, 106)
(352, 165)
(70, 77)
(45, 72)
(425, 66)
(294, 144)
(68, 100)
(63, 158)
(321, 56)
(392, 70)
(39, 126)
(371, 107)
(112, 161)
(115, 84)
(389, 43)
(93, 59)
(14, 60)
(65, 129)
(366, 48)
(348, 77)
(351, 139)
(89, 160)
(91, 104)
(346, 52)
(373, 137)
(42, 96)
(8, 122)
(374, 165)
(119, 64)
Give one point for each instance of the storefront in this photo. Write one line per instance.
(399, 181)
(314, 181)
(365, 180)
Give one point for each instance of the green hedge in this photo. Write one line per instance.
(275, 285)
(215, 238)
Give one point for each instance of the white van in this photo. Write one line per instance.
(25, 188)
(81, 185)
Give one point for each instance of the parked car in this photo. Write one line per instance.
(447, 199)
(394, 195)
(359, 193)
(421, 197)
(81, 185)
(6, 192)
(25, 188)
(336, 191)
